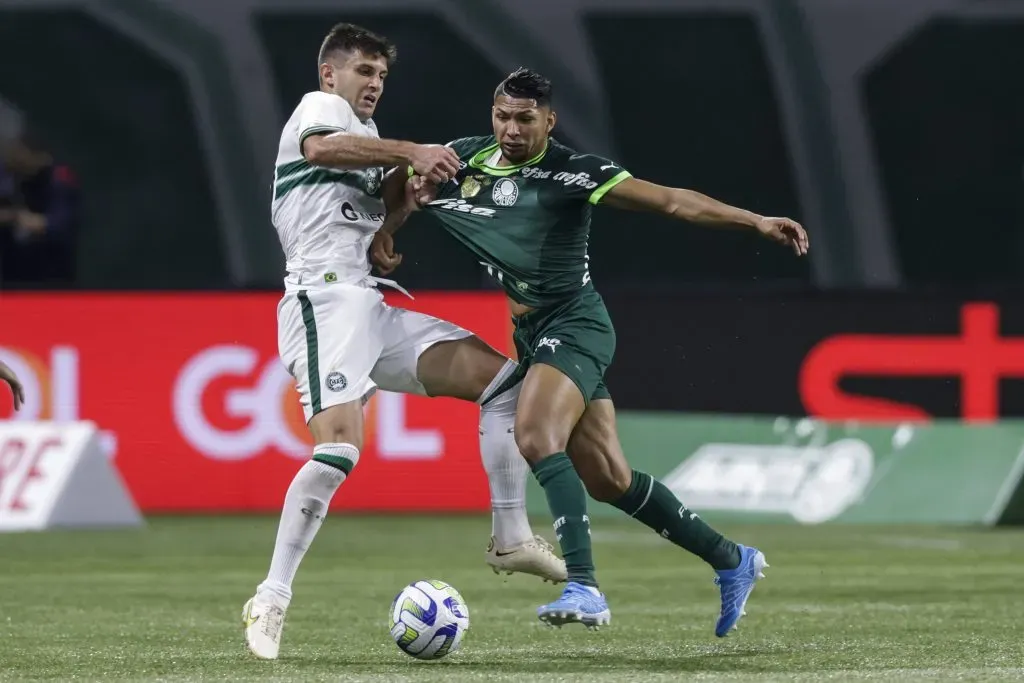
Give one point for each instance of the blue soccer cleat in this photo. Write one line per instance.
(577, 604)
(736, 585)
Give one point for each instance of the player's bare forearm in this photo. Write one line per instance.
(395, 220)
(695, 207)
(392, 189)
(639, 195)
(339, 150)
(7, 375)
(397, 204)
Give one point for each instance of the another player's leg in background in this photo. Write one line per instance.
(597, 456)
(471, 370)
(550, 405)
(338, 434)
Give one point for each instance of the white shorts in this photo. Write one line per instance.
(341, 341)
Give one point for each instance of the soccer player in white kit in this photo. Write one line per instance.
(340, 341)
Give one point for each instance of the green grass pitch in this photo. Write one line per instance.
(839, 603)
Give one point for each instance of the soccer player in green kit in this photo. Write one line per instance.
(522, 203)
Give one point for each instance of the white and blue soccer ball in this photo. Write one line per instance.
(429, 619)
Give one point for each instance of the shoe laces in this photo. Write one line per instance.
(273, 619)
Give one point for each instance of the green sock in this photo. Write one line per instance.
(652, 503)
(567, 500)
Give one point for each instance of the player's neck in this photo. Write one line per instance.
(498, 160)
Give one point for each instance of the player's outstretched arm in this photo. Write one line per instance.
(7, 375)
(340, 150)
(634, 194)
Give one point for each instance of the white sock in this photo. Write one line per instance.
(305, 506)
(507, 470)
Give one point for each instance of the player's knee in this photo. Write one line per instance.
(537, 442)
(341, 436)
(338, 424)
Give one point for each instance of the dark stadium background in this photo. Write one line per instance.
(893, 130)
(901, 152)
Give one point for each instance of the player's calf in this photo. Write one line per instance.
(304, 510)
(598, 456)
(505, 467)
(513, 546)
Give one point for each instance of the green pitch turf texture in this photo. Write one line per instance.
(164, 603)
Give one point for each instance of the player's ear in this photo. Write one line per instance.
(327, 75)
(551, 120)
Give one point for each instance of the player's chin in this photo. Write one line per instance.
(514, 153)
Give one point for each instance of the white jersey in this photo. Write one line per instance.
(325, 217)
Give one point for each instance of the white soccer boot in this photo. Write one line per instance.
(263, 620)
(536, 557)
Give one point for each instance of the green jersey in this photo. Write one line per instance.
(528, 224)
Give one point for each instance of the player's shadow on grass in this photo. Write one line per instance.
(729, 660)
(576, 662)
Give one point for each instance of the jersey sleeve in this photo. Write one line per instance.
(589, 177)
(323, 112)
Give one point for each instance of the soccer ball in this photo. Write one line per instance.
(429, 619)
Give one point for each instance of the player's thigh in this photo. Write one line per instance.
(560, 381)
(566, 350)
(341, 423)
(327, 341)
(463, 368)
(428, 356)
(596, 452)
(580, 354)
(550, 404)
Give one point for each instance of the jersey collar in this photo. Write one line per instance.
(480, 157)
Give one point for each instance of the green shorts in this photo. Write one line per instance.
(575, 336)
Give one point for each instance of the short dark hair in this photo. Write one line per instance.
(351, 38)
(527, 84)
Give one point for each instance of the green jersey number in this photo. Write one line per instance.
(503, 277)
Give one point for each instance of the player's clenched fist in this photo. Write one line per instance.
(7, 375)
(419, 192)
(435, 162)
(382, 252)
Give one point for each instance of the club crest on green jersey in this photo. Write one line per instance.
(505, 192)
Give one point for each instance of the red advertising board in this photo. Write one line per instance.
(200, 415)
(979, 356)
